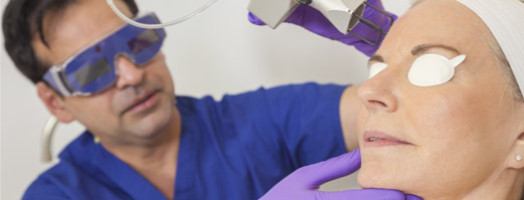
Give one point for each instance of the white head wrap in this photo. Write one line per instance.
(505, 19)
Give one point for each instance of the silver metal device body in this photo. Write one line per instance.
(341, 13)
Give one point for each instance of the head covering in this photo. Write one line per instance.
(505, 19)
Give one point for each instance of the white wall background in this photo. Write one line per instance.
(215, 53)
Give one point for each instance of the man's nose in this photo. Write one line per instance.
(377, 93)
(129, 73)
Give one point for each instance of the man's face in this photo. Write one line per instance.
(139, 105)
(449, 138)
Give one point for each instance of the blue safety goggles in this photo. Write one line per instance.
(94, 69)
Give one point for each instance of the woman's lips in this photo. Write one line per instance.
(379, 139)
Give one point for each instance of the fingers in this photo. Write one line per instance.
(363, 194)
(376, 4)
(319, 173)
(412, 197)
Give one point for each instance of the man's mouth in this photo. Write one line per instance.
(145, 102)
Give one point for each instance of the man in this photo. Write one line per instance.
(145, 147)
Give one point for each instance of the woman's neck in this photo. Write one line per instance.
(505, 184)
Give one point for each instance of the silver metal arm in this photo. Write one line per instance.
(47, 140)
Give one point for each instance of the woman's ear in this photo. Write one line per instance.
(516, 157)
(54, 103)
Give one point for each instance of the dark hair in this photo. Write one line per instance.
(21, 21)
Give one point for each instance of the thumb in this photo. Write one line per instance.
(319, 173)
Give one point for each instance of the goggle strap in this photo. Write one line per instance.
(60, 81)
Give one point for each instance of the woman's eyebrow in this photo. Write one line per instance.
(419, 49)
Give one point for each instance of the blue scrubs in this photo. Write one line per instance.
(233, 149)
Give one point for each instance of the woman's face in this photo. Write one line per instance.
(443, 139)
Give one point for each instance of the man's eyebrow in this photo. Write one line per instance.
(376, 58)
(419, 49)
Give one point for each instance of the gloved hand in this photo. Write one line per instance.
(303, 183)
(313, 20)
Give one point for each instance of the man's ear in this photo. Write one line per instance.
(54, 103)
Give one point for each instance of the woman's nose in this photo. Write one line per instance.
(377, 93)
(129, 74)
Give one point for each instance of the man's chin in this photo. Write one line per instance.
(152, 125)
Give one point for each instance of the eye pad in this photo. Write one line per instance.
(433, 69)
(376, 68)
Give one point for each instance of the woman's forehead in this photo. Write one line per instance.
(437, 22)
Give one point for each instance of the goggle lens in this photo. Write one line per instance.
(93, 70)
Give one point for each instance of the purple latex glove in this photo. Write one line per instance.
(313, 20)
(303, 183)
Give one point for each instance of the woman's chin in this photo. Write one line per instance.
(368, 178)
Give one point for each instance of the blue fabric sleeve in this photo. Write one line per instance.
(298, 123)
(67, 181)
(309, 119)
(43, 190)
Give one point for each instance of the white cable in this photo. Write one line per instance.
(155, 26)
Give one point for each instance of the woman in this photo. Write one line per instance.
(460, 139)
(443, 113)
